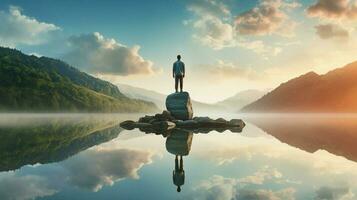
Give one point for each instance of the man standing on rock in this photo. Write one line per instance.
(178, 72)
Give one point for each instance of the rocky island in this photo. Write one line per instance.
(179, 115)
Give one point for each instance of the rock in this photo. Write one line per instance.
(203, 119)
(237, 122)
(180, 106)
(129, 125)
(163, 125)
(146, 119)
(221, 120)
(187, 124)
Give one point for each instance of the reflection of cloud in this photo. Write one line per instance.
(17, 28)
(248, 194)
(334, 193)
(333, 9)
(327, 31)
(96, 54)
(218, 187)
(94, 169)
(23, 187)
(259, 177)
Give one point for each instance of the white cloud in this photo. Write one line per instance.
(95, 54)
(17, 28)
(213, 32)
(216, 27)
(227, 70)
(266, 18)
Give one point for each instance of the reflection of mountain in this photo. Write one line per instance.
(335, 91)
(335, 135)
(50, 142)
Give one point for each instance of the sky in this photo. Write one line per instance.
(227, 45)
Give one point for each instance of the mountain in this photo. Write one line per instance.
(241, 99)
(335, 91)
(159, 99)
(29, 83)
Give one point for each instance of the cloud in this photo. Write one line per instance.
(95, 54)
(104, 167)
(218, 187)
(228, 70)
(208, 7)
(333, 9)
(17, 28)
(266, 18)
(216, 27)
(334, 193)
(327, 31)
(213, 32)
(23, 187)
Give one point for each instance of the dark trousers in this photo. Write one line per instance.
(178, 79)
(178, 166)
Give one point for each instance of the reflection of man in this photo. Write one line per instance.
(178, 72)
(178, 175)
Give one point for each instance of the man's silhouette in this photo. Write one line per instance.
(178, 72)
(178, 175)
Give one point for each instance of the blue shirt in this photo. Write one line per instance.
(178, 68)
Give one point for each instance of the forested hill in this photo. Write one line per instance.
(29, 83)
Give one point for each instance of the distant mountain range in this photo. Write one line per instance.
(335, 91)
(29, 83)
(159, 99)
(241, 99)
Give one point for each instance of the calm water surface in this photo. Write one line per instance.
(91, 157)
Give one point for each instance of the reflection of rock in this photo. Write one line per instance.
(179, 142)
(179, 105)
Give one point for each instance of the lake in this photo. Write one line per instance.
(89, 156)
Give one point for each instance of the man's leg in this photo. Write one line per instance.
(181, 83)
(176, 83)
(181, 164)
(176, 164)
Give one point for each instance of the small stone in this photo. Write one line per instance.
(221, 120)
(128, 125)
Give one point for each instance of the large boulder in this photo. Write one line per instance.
(180, 106)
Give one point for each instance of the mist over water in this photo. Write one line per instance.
(89, 156)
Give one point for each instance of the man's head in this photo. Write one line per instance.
(178, 189)
(178, 57)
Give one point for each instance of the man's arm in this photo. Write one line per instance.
(173, 70)
(183, 66)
